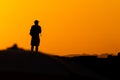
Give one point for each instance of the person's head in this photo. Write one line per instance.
(36, 22)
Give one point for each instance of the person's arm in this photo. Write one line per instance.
(40, 30)
(30, 31)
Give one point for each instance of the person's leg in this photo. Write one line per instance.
(32, 48)
(36, 49)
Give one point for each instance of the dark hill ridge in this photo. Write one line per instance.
(23, 63)
(107, 67)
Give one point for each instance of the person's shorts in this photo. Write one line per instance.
(35, 42)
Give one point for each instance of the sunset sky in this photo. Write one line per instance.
(68, 26)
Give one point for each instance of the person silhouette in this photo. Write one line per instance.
(34, 32)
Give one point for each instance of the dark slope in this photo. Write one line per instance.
(25, 64)
(107, 67)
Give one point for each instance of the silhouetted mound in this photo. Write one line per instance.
(20, 63)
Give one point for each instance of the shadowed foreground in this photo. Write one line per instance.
(23, 64)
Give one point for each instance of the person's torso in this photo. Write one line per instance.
(35, 31)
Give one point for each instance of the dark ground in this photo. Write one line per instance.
(20, 64)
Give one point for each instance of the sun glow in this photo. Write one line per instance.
(68, 27)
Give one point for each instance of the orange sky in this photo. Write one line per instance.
(69, 26)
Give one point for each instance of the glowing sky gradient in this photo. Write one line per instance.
(69, 26)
